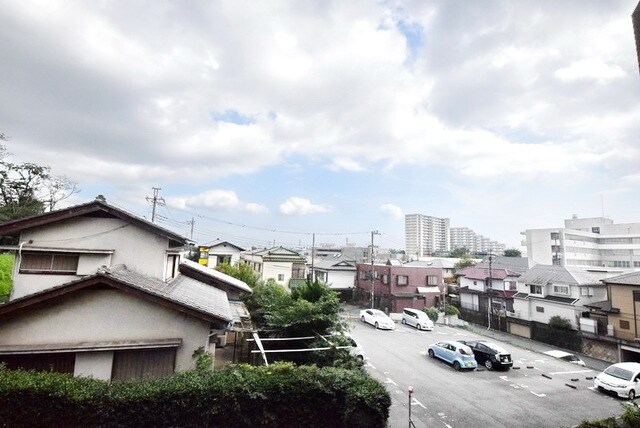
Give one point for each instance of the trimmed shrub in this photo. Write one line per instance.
(451, 310)
(560, 323)
(280, 395)
(6, 268)
(432, 313)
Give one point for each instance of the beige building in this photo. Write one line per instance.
(278, 263)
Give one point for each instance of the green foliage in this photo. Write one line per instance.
(432, 313)
(241, 271)
(631, 417)
(464, 262)
(6, 268)
(512, 252)
(310, 291)
(451, 310)
(27, 189)
(459, 252)
(204, 359)
(239, 396)
(560, 323)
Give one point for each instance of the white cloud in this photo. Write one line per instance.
(391, 210)
(216, 199)
(301, 206)
(590, 69)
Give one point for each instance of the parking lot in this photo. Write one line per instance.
(539, 391)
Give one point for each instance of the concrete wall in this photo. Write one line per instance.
(341, 279)
(138, 249)
(105, 315)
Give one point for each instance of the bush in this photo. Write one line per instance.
(451, 310)
(432, 313)
(240, 396)
(560, 323)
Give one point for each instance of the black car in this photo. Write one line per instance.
(489, 354)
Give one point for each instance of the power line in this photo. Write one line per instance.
(155, 200)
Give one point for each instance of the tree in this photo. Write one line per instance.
(464, 263)
(512, 252)
(459, 252)
(28, 189)
(241, 271)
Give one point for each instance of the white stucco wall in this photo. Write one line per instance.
(550, 310)
(220, 250)
(135, 247)
(341, 280)
(105, 315)
(97, 365)
(273, 269)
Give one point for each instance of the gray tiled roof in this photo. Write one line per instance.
(220, 276)
(182, 290)
(632, 278)
(570, 275)
(516, 264)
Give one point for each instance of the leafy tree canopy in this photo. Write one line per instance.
(459, 252)
(464, 263)
(512, 252)
(28, 189)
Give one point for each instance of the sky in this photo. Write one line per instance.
(271, 122)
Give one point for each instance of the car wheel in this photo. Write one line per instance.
(488, 364)
(632, 394)
(360, 358)
(404, 321)
(418, 327)
(376, 324)
(457, 366)
(431, 353)
(362, 318)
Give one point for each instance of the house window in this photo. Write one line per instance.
(224, 259)
(385, 278)
(561, 289)
(536, 289)
(540, 309)
(432, 280)
(624, 325)
(49, 263)
(512, 286)
(475, 282)
(280, 277)
(403, 280)
(584, 291)
(363, 274)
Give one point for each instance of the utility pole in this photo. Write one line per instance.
(155, 200)
(489, 289)
(191, 223)
(373, 232)
(313, 248)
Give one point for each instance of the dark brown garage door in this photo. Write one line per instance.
(63, 362)
(143, 363)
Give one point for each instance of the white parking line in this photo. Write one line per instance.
(414, 401)
(369, 365)
(538, 395)
(390, 381)
(573, 372)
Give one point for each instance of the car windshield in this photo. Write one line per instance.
(619, 372)
(496, 348)
(571, 358)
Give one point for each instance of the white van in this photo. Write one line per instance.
(417, 318)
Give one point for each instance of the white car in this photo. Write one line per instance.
(377, 318)
(621, 379)
(565, 356)
(417, 318)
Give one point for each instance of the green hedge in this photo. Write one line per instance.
(6, 268)
(279, 395)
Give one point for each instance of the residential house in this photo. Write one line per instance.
(65, 245)
(285, 266)
(618, 317)
(100, 292)
(481, 288)
(220, 252)
(545, 291)
(398, 287)
(338, 274)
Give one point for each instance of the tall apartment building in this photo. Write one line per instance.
(426, 235)
(586, 242)
(463, 237)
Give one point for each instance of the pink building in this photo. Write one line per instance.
(397, 287)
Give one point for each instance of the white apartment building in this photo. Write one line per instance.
(426, 235)
(586, 242)
(463, 237)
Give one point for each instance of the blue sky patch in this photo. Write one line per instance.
(232, 116)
